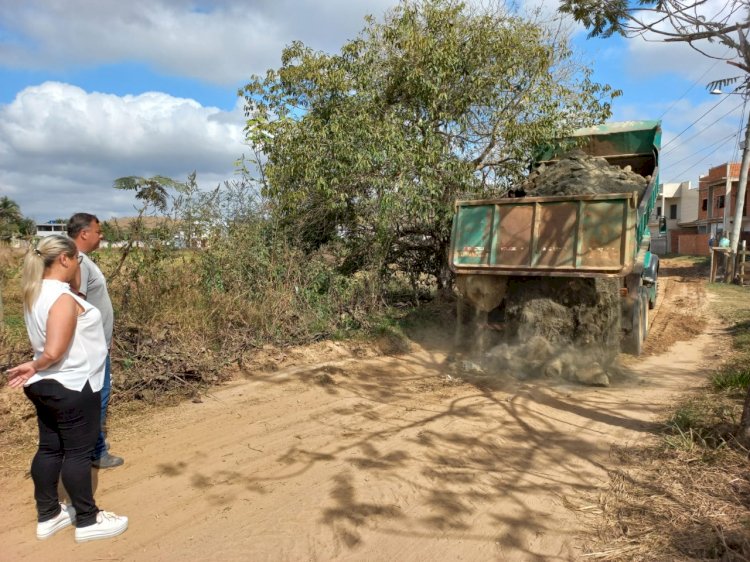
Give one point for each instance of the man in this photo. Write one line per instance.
(86, 232)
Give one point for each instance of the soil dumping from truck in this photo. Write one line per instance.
(577, 173)
(559, 328)
(566, 328)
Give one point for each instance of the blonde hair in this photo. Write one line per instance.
(37, 260)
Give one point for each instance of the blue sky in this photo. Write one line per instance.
(91, 91)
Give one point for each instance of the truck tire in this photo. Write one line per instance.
(652, 303)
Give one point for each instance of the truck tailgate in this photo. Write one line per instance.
(583, 235)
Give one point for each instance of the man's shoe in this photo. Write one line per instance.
(107, 461)
(107, 525)
(65, 518)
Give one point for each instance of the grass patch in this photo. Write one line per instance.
(731, 380)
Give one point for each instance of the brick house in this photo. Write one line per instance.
(712, 201)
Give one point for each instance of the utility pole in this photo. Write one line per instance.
(727, 199)
(741, 190)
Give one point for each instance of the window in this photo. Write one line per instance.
(705, 205)
(720, 202)
(673, 211)
(658, 211)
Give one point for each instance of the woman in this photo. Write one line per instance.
(63, 382)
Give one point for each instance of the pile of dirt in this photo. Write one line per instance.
(577, 173)
(558, 328)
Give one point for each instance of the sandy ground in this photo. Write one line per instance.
(378, 458)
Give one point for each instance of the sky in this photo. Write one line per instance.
(91, 91)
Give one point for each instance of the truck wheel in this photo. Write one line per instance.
(633, 343)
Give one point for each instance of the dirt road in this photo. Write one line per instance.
(377, 458)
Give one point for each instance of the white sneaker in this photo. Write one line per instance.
(65, 518)
(107, 525)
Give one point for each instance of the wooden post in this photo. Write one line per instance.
(729, 257)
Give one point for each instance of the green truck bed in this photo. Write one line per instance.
(572, 236)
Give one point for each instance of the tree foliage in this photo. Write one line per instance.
(12, 221)
(373, 144)
(151, 192)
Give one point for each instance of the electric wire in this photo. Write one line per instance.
(696, 121)
(703, 130)
(682, 174)
(722, 140)
(686, 92)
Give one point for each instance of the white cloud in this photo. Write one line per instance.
(61, 148)
(222, 42)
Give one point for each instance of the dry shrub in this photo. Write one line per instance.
(183, 316)
(17, 420)
(14, 344)
(160, 348)
(684, 498)
(10, 257)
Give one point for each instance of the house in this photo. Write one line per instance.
(49, 228)
(715, 213)
(677, 204)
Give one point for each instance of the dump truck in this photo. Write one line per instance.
(506, 252)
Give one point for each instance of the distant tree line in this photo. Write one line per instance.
(12, 221)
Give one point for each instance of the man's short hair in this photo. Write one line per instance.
(79, 222)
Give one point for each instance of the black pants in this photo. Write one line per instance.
(68, 429)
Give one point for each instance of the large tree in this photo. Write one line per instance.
(372, 145)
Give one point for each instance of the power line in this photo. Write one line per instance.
(703, 130)
(699, 161)
(692, 86)
(724, 139)
(722, 100)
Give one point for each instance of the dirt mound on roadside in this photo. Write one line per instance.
(577, 173)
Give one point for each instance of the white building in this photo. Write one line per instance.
(678, 204)
(47, 229)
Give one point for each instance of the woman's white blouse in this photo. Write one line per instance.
(86, 356)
